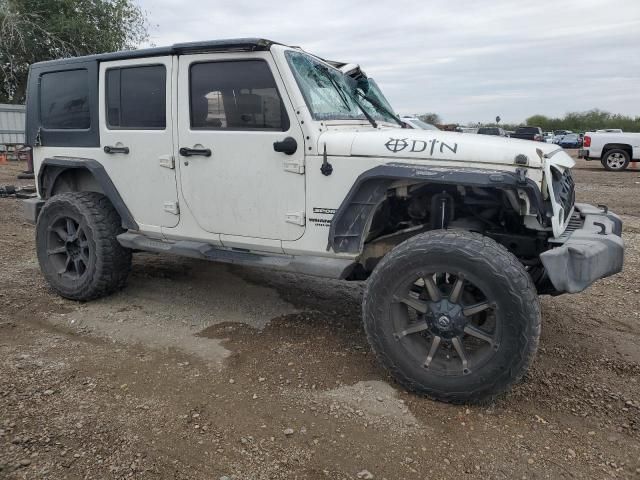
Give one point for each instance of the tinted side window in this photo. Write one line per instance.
(235, 95)
(64, 100)
(136, 97)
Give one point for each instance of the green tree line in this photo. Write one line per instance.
(579, 122)
(586, 121)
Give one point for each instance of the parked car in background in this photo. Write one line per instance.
(415, 122)
(497, 131)
(548, 137)
(609, 130)
(571, 140)
(529, 133)
(614, 149)
(561, 133)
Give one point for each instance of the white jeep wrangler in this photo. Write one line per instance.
(251, 152)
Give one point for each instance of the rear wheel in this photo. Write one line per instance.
(452, 315)
(77, 248)
(616, 160)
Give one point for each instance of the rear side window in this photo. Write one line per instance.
(235, 95)
(64, 100)
(136, 97)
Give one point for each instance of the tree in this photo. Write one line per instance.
(37, 30)
(540, 121)
(432, 118)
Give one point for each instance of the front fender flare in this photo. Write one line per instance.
(352, 220)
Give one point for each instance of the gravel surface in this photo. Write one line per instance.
(204, 371)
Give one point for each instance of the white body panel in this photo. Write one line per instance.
(142, 182)
(242, 189)
(435, 145)
(149, 150)
(600, 139)
(245, 195)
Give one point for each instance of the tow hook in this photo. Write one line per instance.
(603, 229)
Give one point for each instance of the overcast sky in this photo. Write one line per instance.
(466, 60)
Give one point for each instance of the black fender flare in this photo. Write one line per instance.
(52, 168)
(352, 220)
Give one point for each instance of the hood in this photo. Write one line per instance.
(411, 144)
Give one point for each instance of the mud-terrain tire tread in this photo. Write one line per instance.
(500, 263)
(103, 224)
(626, 155)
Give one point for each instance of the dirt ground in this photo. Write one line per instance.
(204, 371)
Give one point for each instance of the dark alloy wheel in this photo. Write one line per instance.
(446, 322)
(68, 248)
(452, 315)
(77, 246)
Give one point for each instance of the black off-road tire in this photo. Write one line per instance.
(102, 266)
(476, 257)
(622, 160)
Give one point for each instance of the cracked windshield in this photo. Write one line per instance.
(331, 95)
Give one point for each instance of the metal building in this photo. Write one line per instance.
(12, 124)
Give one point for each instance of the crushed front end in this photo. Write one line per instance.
(590, 248)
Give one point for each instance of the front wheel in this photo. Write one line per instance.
(452, 315)
(616, 160)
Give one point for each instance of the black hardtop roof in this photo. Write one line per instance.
(207, 46)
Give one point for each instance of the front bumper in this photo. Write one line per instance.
(590, 248)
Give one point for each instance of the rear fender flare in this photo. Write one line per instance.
(51, 169)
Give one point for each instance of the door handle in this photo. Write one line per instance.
(109, 149)
(191, 152)
(288, 146)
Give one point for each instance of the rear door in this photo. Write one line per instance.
(233, 117)
(137, 138)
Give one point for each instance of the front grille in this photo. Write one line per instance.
(575, 223)
(564, 189)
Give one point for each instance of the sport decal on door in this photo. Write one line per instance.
(322, 222)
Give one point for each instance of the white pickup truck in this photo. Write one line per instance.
(614, 149)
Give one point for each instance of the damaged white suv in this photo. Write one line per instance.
(251, 152)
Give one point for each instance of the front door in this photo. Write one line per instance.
(136, 137)
(240, 147)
